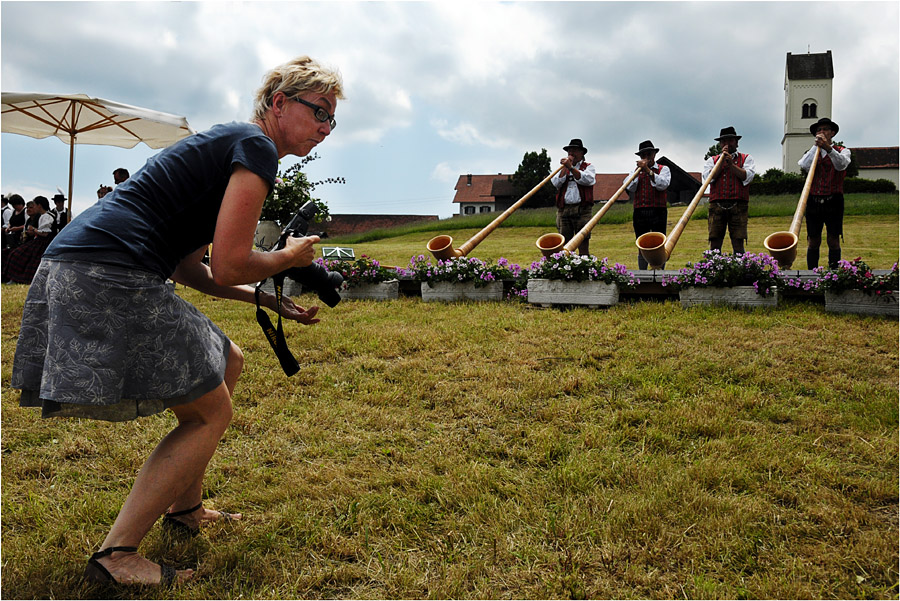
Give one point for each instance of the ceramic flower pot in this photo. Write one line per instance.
(560, 292)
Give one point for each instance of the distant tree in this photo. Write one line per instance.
(292, 190)
(772, 174)
(713, 150)
(534, 168)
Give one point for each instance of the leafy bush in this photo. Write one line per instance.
(858, 184)
(581, 268)
(291, 191)
(723, 270)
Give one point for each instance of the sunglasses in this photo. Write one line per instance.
(320, 113)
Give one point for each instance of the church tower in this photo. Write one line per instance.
(807, 98)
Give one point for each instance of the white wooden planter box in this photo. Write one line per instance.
(547, 293)
(735, 296)
(381, 291)
(453, 291)
(856, 301)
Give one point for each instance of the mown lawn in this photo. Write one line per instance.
(501, 451)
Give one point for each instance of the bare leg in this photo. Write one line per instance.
(182, 456)
(193, 494)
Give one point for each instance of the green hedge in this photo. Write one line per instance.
(792, 183)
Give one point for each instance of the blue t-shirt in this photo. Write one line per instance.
(168, 209)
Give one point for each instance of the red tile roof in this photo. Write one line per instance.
(877, 158)
(476, 188)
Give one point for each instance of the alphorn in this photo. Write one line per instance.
(656, 247)
(783, 245)
(549, 244)
(442, 246)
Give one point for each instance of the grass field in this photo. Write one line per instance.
(503, 451)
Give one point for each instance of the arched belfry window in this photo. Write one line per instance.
(809, 109)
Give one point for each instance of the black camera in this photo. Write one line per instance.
(315, 277)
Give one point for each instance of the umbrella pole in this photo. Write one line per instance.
(71, 164)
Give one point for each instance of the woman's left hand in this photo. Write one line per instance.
(294, 312)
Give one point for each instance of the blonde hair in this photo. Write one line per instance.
(294, 78)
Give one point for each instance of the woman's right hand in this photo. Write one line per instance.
(302, 249)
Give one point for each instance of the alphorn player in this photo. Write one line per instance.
(729, 193)
(575, 193)
(825, 206)
(648, 190)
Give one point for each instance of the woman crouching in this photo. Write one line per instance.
(103, 336)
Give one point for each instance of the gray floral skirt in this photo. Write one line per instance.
(112, 343)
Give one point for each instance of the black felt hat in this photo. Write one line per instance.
(646, 145)
(576, 143)
(727, 132)
(823, 121)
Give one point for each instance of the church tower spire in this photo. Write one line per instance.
(807, 98)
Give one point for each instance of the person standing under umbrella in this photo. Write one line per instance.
(103, 336)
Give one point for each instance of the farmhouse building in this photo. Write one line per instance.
(878, 163)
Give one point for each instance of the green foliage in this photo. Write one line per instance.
(868, 186)
(463, 269)
(363, 270)
(724, 270)
(574, 268)
(775, 182)
(856, 275)
(532, 170)
(292, 190)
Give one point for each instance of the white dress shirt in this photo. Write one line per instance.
(749, 166)
(661, 180)
(840, 160)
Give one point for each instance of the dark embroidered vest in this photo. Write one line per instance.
(645, 195)
(727, 186)
(827, 180)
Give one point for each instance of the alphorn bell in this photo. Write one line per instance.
(549, 244)
(655, 247)
(783, 245)
(442, 246)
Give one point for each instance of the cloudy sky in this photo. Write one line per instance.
(439, 89)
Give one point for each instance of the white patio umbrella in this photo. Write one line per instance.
(80, 119)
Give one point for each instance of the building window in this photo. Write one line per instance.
(469, 210)
(809, 110)
(484, 210)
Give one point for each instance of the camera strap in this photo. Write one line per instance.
(273, 335)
